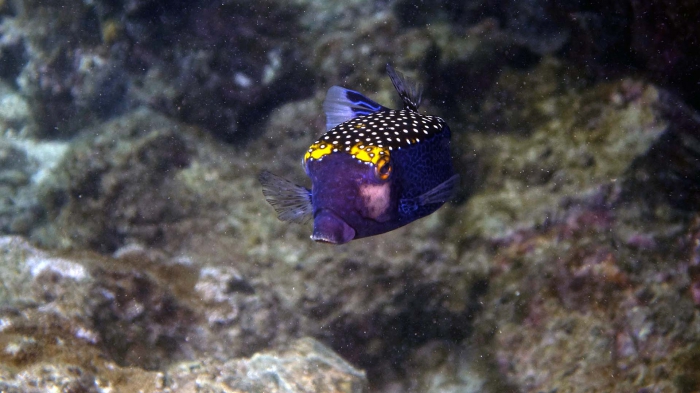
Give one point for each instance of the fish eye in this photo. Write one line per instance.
(383, 169)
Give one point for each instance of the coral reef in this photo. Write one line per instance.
(579, 291)
(141, 256)
(15, 213)
(89, 200)
(61, 311)
(220, 65)
(52, 54)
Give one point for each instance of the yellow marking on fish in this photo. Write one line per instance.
(368, 153)
(360, 150)
(318, 150)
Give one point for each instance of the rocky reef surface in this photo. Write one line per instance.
(137, 252)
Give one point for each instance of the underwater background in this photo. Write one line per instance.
(138, 253)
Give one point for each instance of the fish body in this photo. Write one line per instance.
(374, 170)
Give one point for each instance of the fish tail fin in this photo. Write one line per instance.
(291, 202)
(343, 104)
(410, 92)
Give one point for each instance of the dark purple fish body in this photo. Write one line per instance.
(356, 204)
(374, 170)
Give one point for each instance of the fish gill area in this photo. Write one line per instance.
(137, 252)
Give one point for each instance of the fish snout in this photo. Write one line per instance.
(329, 228)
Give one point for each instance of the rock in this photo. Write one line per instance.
(23, 165)
(222, 65)
(140, 322)
(80, 322)
(581, 239)
(303, 366)
(14, 111)
(567, 261)
(677, 180)
(55, 60)
(551, 142)
(440, 366)
(101, 183)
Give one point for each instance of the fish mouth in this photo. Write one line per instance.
(329, 228)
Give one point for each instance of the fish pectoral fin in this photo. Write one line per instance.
(343, 104)
(439, 194)
(291, 202)
(409, 91)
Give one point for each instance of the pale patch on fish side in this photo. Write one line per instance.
(377, 199)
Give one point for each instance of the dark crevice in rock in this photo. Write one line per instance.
(286, 89)
(670, 171)
(13, 58)
(422, 318)
(139, 322)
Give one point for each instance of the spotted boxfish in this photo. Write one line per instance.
(374, 170)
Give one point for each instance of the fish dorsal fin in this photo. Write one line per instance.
(409, 91)
(343, 104)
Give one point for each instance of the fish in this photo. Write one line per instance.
(375, 169)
